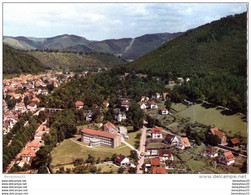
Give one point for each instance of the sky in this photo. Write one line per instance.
(99, 21)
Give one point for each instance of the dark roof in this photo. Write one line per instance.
(164, 152)
(169, 137)
(209, 150)
(119, 158)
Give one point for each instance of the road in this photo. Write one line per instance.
(142, 149)
(19, 154)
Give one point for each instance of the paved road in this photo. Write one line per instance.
(142, 149)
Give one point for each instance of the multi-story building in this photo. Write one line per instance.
(106, 139)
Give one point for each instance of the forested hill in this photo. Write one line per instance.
(213, 56)
(76, 61)
(16, 62)
(218, 46)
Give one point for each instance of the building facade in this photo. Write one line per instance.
(106, 139)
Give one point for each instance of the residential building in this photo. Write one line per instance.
(110, 128)
(159, 170)
(227, 158)
(234, 142)
(79, 104)
(153, 105)
(155, 162)
(122, 160)
(163, 111)
(32, 107)
(157, 133)
(142, 105)
(27, 155)
(121, 116)
(221, 135)
(183, 143)
(165, 154)
(209, 151)
(171, 139)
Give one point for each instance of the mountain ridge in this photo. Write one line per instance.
(66, 42)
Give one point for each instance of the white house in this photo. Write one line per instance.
(183, 143)
(171, 139)
(165, 155)
(32, 107)
(157, 133)
(163, 111)
(209, 151)
(142, 105)
(122, 130)
(121, 116)
(153, 105)
(227, 158)
(121, 160)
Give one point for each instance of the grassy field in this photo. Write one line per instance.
(107, 167)
(132, 137)
(67, 151)
(231, 124)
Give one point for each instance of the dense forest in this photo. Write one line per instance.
(75, 61)
(16, 62)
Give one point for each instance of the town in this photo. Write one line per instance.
(165, 143)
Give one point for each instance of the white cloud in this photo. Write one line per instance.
(99, 21)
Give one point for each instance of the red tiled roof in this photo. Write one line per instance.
(79, 103)
(105, 104)
(229, 156)
(152, 103)
(184, 141)
(28, 153)
(220, 134)
(157, 130)
(235, 141)
(99, 133)
(163, 109)
(159, 170)
(155, 161)
(109, 125)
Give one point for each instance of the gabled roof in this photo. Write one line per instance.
(152, 103)
(109, 125)
(229, 156)
(155, 161)
(105, 104)
(157, 130)
(119, 158)
(99, 133)
(169, 137)
(209, 150)
(163, 109)
(220, 134)
(159, 170)
(28, 153)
